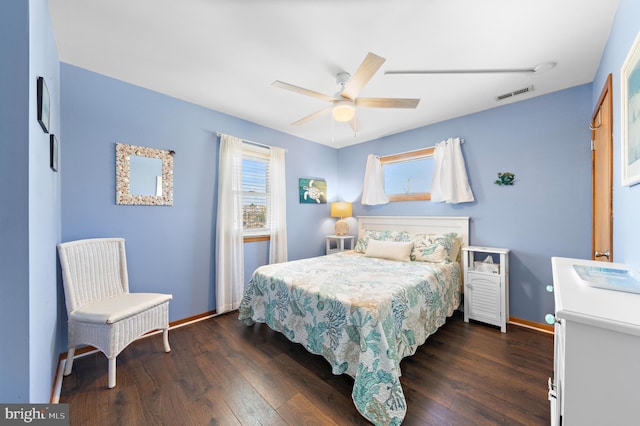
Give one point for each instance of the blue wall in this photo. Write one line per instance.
(44, 208)
(30, 213)
(171, 249)
(626, 200)
(14, 210)
(545, 142)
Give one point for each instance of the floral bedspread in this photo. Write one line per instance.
(364, 315)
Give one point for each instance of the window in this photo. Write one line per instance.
(407, 176)
(255, 191)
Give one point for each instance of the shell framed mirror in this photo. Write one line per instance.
(144, 176)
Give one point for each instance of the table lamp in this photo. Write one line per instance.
(341, 209)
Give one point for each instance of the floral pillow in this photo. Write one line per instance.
(361, 244)
(434, 248)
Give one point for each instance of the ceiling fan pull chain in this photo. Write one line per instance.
(333, 133)
(355, 126)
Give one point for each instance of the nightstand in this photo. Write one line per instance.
(335, 243)
(486, 285)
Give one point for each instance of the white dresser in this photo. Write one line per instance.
(597, 350)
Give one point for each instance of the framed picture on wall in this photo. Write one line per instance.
(43, 104)
(53, 152)
(630, 84)
(313, 191)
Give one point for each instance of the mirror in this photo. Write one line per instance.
(407, 176)
(144, 176)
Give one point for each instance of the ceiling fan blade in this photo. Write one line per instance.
(387, 102)
(363, 74)
(302, 90)
(312, 116)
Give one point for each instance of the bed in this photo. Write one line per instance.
(365, 310)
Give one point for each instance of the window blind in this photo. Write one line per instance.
(256, 184)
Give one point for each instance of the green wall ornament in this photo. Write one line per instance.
(505, 178)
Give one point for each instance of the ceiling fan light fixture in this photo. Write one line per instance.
(343, 110)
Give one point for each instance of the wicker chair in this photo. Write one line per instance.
(101, 311)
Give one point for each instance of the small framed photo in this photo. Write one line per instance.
(53, 152)
(43, 104)
(630, 84)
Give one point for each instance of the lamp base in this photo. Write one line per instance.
(342, 227)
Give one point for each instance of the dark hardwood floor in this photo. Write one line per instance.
(221, 372)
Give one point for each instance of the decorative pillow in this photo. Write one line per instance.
(392, 250)
(363, 241)
(455, 249)
(434, 248)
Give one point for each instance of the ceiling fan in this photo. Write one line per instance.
(344, 102)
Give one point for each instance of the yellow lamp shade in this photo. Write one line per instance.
(341, 210)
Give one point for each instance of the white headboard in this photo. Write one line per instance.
(417, 224)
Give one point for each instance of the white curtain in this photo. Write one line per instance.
(373, 189)
(450, 183)
(229, 238)
(278, 208)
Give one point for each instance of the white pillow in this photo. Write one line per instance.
(361, 245)
(392, 250)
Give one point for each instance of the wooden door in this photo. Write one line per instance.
(602, 172)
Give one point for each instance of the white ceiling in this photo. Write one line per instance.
(224, 54)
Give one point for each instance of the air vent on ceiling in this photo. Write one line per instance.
(514, 93)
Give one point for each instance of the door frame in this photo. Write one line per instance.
(606, 90)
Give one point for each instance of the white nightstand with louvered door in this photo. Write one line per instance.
(486, 285)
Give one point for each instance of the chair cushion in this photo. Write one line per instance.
(116, 308)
